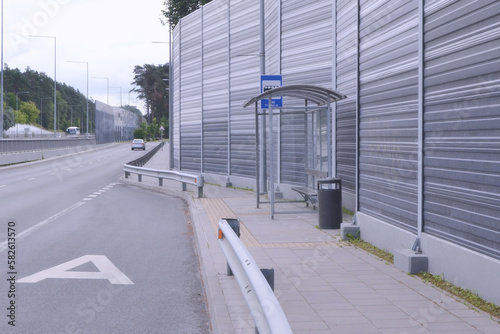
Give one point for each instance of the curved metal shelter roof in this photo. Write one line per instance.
(311, 93)
(322, 97)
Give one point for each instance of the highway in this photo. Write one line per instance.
(81, 252)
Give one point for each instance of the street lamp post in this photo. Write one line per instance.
(107, 79)
(17, 108)
(55, 77)
(84, 62)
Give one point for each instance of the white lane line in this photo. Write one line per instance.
(30, 179)
(99, 192)
(3, 245)
(3, 185)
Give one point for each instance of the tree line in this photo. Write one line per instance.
(177, 9)
(29, 95)
(152, 82)
(29, 99)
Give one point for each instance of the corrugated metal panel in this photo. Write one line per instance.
(114, 124)
(273, 36)
(346, 56)
(462, 123)
(306, 59)
(306, 42)
(104, 119)
(191, 92)
(245, 83)
(177, 86)
(388, 104)
(215, 87)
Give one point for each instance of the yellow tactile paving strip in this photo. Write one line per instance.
(217, 209)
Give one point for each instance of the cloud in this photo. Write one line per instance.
(111, 35)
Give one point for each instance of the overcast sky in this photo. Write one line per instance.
(111, 35)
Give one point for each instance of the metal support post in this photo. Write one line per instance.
(235, 225)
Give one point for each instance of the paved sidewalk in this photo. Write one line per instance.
(323, 284)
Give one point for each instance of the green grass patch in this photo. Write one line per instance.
(347, 212)
(469, 298)
(366, 246)
(240, 188)
(466, 295)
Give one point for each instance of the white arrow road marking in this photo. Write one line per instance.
(107, 270)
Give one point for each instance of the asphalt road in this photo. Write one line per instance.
(93, 255)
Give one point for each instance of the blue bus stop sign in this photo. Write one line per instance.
(268, 82)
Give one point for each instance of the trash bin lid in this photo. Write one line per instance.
(329, 180)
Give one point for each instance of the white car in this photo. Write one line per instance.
(138, 144)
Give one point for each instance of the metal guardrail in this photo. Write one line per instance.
(265, 308)
(139, 162)
(135, 167)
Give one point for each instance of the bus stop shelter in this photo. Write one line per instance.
(315, 98)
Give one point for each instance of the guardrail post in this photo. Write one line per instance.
(235, 225)
(269, 276)
(127, 174)
(184, 186)
(200, 181)
(139, 177)
(160, 182)
(256, 289)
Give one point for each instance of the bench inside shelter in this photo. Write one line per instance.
(310, 194)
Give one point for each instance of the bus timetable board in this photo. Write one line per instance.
(268, 82)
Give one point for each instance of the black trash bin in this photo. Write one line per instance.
(330, 203)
